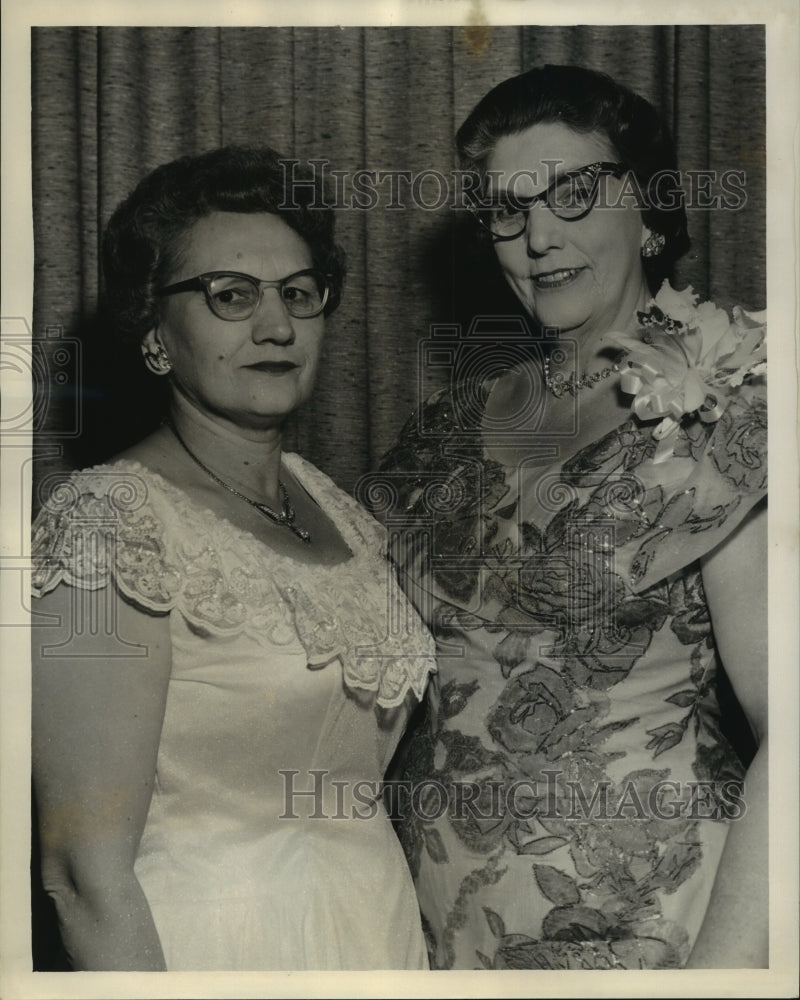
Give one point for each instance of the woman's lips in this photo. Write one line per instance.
(556, 279)
(274, 367)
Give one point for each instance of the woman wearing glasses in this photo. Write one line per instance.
(593, 548)
(213, 714)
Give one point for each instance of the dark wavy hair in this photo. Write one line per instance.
(147, 233)
(588, 101)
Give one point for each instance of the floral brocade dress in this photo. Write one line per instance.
(572, 789)
(266, 845)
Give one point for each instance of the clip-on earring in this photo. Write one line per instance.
(157, 361)
(654, 244)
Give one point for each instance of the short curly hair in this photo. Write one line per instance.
(588, 101)
(146, 234)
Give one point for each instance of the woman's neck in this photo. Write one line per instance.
(592, 346)
(248, 459)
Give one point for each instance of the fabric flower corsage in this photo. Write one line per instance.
(688, 360)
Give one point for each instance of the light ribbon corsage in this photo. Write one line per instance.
(688, 359)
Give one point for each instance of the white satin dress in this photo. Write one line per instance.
(266, 846)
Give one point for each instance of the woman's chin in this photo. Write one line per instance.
(555, 308)
(564, 320)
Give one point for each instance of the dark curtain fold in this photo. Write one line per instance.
(109, 104)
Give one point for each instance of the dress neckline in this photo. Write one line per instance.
(299, 468)
(490, 450)
(515, 462)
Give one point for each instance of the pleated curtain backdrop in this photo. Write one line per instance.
(109, 104)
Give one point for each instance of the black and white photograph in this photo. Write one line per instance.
(391, 601)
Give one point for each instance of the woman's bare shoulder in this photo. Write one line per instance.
(156, 452)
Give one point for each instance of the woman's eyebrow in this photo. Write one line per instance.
(504, 194)
(517, 200)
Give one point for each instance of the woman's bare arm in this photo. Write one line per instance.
(734, 933)
(97, 721)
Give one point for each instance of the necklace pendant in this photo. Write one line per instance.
(286, 517)
(267, 511)
(301, 533)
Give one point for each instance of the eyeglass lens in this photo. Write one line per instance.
(570, 197)
(237, 297)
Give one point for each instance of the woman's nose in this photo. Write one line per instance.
(543, 230)
(271, 320)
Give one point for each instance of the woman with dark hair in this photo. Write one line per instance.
(588, 102)
(587, 526)
(214, 696)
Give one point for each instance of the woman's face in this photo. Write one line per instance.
(252, 372)
(584, 276)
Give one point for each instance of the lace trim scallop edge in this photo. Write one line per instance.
(390, 693)
(390, 683)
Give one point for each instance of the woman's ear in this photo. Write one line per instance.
(155, 357)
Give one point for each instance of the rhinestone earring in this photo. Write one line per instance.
(653, 245)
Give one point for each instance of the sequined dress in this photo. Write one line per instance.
(285, 681)
(574, 790)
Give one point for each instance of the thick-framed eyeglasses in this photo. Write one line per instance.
(571, 196)
(234, 296)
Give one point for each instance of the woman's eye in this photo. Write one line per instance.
(581, 188)
(572, 194)
(506, 211)
(233, 294)
(302, 289)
